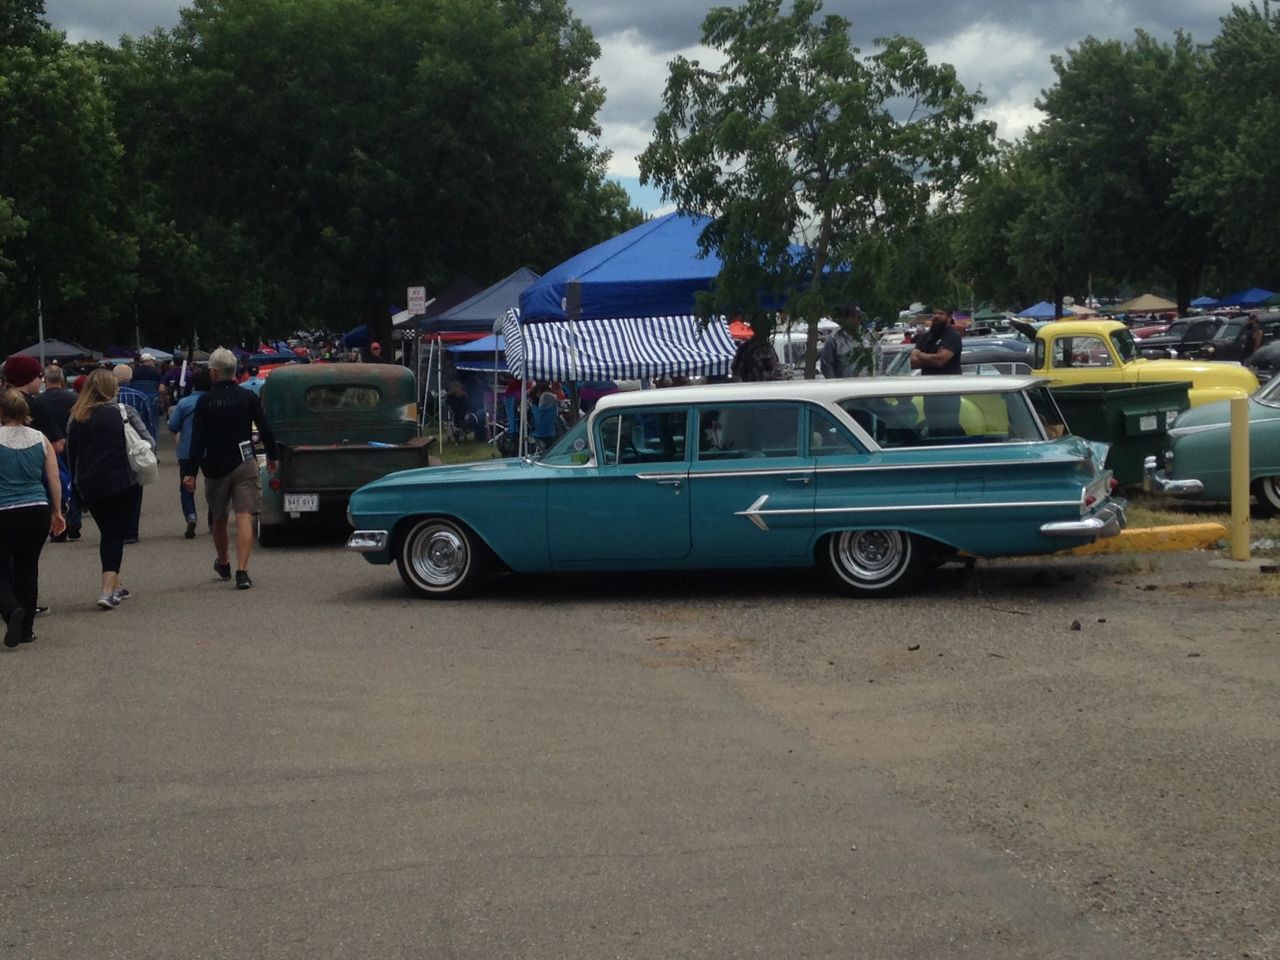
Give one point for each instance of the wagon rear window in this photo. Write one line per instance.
(936, 419)
(343, 398)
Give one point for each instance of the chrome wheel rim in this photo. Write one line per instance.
(439, 556)
(869, 555)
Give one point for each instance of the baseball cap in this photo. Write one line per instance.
(147, 356)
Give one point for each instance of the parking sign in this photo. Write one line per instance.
(417, 300)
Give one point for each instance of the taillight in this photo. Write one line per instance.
(1090, 500)
(1115, 484)
(275, 484)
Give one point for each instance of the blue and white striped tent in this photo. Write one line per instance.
(621, 349)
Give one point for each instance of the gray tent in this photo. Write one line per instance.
(58, 350)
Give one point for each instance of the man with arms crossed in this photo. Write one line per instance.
(222, 446)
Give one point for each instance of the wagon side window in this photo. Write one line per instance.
(739, 431)
(827, 438)
(643, 436)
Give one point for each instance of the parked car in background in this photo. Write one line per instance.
(1231, 340)
(1103, 351)
(874, 480)
(981, 355)
(1182, 337)
(1265, 361)
(1198, 462)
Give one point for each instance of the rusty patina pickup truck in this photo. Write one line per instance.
(337, 426)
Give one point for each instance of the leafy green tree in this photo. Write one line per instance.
(798, 135)
(1113, 140)
(61, 241)
(360, 148)
(1234, 176)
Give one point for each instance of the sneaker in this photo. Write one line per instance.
(58, 537)
(13, 627)
(130, 539)
(41, 611)
(107, 602)
(120, 593)
(223, 570)
(242, 580)
(191, 528)
(73, 535)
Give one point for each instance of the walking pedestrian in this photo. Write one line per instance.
(141, 404)
(59, 400)
(180, 423)
(100, 472)
(27, 514)
(222, 428)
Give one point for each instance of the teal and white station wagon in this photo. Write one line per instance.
(873, 480)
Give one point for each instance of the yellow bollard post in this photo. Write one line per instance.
(1239, 478)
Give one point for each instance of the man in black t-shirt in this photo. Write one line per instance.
(939, 351)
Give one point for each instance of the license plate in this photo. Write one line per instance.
(301, 502)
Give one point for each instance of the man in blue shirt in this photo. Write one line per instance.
(180, 423)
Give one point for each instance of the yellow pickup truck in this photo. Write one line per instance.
(1072, 352)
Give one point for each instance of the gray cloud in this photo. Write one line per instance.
(999, 46)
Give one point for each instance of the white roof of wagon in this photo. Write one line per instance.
(819, 391)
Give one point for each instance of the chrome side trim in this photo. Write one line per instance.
(869, 468)
(368, 541)
(816, 511)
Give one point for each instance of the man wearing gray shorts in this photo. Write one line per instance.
(222, 426)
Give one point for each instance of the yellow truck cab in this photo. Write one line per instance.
(1071, 352)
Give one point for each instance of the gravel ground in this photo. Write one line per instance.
(1107, 724)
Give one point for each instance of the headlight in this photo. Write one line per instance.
(1210, 351)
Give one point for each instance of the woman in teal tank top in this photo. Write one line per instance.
(27, 464)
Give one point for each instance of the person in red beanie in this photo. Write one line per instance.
(25, 374)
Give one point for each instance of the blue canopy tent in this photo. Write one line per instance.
(478, 313)
(1247, 298)
(1200, 302)
(483, 355)
(653, 270)
(1044, 310)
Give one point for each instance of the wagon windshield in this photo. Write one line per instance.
(572, 450)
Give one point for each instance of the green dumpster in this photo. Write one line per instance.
(1133, 418)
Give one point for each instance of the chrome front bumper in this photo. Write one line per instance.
(368, 541)
(1107, 522)
(1154, 481)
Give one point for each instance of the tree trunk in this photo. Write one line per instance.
(819, 264)
(1187, 282)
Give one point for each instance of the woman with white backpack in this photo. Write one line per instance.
(107, 465)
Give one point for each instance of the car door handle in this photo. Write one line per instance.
(671, 482)
(804, 480)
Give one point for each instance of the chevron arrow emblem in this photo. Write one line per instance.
(752, 512)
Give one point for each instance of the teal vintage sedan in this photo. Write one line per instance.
(1198, 462)
(873, 480)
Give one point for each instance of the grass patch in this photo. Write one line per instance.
(465, 451)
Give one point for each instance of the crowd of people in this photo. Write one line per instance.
(65, 451)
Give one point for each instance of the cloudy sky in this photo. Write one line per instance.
(999, 46)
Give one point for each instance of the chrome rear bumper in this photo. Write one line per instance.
(1107, 522)
(1154, 481)
(368, 541)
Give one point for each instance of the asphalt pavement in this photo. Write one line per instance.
(324, 767)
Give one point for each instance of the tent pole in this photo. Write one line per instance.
(40, 325)
(440, 392)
